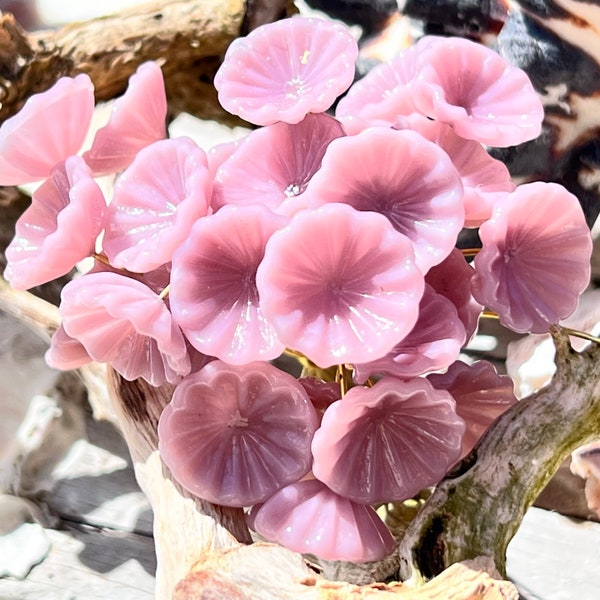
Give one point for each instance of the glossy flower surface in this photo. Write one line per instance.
(387, 442)
(235, 435)
(284, 70)
(535, 260)
(60, 227)
(155, 203)
(213, 295)
(32, 143)
(120, 321)
(339, 285)
(308, 517)
(65, 352)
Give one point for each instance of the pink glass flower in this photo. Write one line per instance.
(155, 203)
(282, 71)
(452, 279)
(65, 352)
(478, 92)
(213, 294)
(60, 228)
(433, 343)
(339, 285)
(235, 435)
(387, 442)
(308, 517)
(137, 119)
(49, 128)
(120, 321)
(275, 163)
(401, 175)
(535, 259)
(481, 396)
(320, 393)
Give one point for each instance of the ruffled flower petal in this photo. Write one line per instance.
(137, 119)
(387, 442)
(282, 71)
(32, 143)
(66, 215)
(308, 517)
(339, 285)
(155, 203)
(401, 175)
(121, 321)
(321, 393)
(535, 260)
(236, 435)
(275, 163)
(433, 344)
(481, 396)
(65, 352)
(213, 294)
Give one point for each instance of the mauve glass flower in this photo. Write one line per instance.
(339, 285)
(156, 201)
(387, 442)
(49, 128)
(65, 352)
(282, 71)
(213, 292)
(535, 260)
(275, 163)
(137, 119)
(481, 396)
(121, 321)
(234, 435)
(433, 343)
(309, 518)
(478, 92)
(452, 279)
(320, 393)
(401, 175)
(66, 215)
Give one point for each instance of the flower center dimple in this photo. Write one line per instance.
(237, 421)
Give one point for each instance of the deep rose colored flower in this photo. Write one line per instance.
(339, 285)
(485, 180)
(320, 393)
(481, 396)
(308, 517)
(274, 164)
(137, 119)
(452, 279)
(60, 228)
(155, 203)
(387, 442)
(475, 90)
(213, 294)
(236, 435)
(49, 128)
(433, 343)
(65, 352)
(535, 259)
(284, 70)
(120, 321)
(401, 175)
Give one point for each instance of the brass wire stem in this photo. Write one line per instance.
(469, 252)
(165, 292)
(101, 258)
(581, 334)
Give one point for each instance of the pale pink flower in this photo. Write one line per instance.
(535, 260)
(481, 396)
(401, 175)
(155, 203)
(274, 164)
(49, 128)
(387, 442)
(66, 215)
(282, 71)
(137, 119)
(475, 90)
(234, 435)
(308, 517)
(65, 352)
(433, 343)
(213, 294)
(339, 285)
(121, 321)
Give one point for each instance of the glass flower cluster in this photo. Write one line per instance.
(329, 236)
